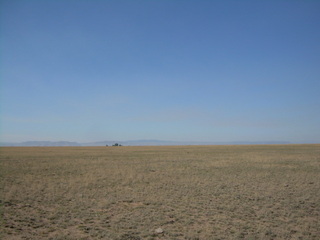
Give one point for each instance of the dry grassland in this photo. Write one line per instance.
(190, 192)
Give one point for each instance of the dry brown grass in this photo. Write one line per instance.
(191, 192)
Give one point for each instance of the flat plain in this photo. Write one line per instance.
(163, 192)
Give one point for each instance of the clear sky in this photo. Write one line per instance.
(185, 70)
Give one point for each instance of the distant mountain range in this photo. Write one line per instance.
(132, 143)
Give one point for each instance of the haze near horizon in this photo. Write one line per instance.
(207, 71)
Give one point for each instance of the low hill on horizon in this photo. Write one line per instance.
(131, 143)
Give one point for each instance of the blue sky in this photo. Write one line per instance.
(80, 70)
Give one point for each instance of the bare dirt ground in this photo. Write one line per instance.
(190, 192)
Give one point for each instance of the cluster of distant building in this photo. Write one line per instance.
(115, 145)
